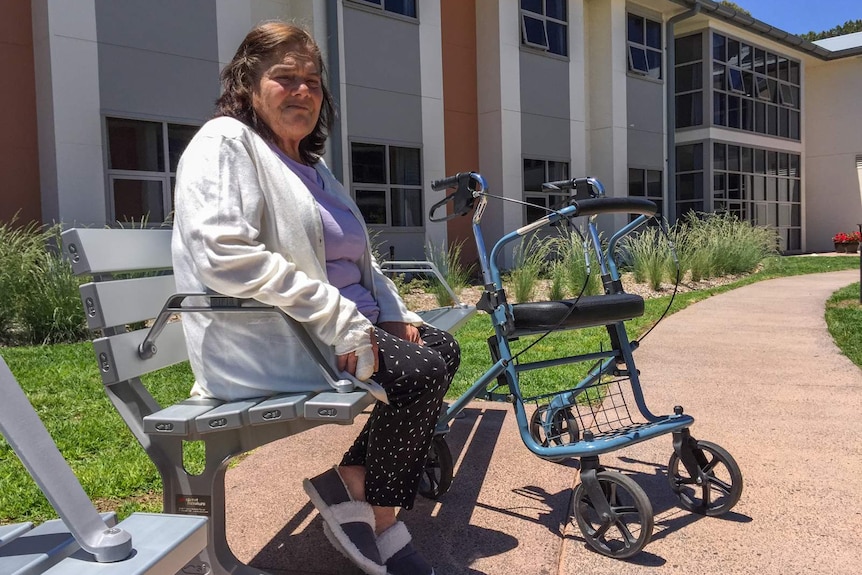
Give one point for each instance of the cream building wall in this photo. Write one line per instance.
(833, 140)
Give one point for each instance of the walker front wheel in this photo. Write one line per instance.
(620, 526)
(437, 475)
(715, 488)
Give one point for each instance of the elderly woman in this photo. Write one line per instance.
(259, 215)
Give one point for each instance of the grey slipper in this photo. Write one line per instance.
(398, 553)
(350, 523)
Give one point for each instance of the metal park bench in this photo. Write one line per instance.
(81, 541)
(130, 304)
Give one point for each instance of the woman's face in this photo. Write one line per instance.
(288, 97)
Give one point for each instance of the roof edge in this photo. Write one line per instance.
(767, 30)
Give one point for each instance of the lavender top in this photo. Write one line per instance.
(344, 240)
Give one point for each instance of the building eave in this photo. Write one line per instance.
(766, 30)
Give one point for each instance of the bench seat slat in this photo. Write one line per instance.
(121, 302)
(10, 532)
(230, 415)
(162, 543)
(178, 418)
(121, 353)
(102, 250)
(336, 407)
(42, 547)
(278, 408)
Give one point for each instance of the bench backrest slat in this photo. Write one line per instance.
(118, 358)
(120, 302)
(99, 251)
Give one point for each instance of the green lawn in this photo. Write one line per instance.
(64, 386)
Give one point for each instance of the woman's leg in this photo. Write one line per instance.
(385, 463)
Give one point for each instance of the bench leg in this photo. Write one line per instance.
(204, 494)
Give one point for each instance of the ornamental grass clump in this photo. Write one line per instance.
(448, 263)
(647, 255)
(577, 279)
(40, 301)
(531, 261)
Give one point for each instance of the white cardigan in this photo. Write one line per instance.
(246, 226)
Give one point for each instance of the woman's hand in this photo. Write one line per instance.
(348, 361)
(405, 331)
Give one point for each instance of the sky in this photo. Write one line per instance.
(801, 16)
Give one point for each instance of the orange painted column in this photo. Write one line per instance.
(460, 110)
(19, 147)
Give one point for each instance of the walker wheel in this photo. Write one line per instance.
(628, 527)
(564, 427)
(716, 488)
(437, 475)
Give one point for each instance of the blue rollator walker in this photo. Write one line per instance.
(592, 417)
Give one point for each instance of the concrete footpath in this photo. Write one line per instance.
(757, 369)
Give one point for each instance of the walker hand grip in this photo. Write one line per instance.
(628, 205)
(449, 182)
(462, 197)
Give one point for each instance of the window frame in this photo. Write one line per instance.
(540, 197)
(544, 19)
(167, 176)
(381, 6)
(644, 48)
(388, 188)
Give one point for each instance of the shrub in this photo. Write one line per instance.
(707, 245)
(530, 260)
(448, 262)
(569, 250)
(40, 301)
(647, 254)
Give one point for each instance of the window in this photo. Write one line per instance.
(537, 172)
(387, 184)
(142, 164)
(760, 186)
(644, 46)
(689, 179)
(754, 90)
(688, 72)
(544, 25)
(647, 184)
(403, 7)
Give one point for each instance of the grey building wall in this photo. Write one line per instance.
(545, 107)
(645, 118)
(158, 58)
(384, 96)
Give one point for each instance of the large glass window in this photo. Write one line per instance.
(760, 186)
(537, 172)
(647, 184)
(403, 7)
(387, 184)
(644, 46)
(689, 179)
(688, 74)
(544, 25)
(142, 164)
(754, 90)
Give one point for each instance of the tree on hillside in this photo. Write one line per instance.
(735, 6)
(847, 27)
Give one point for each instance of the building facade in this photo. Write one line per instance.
(685, 102)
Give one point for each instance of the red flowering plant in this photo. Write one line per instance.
(851, 238)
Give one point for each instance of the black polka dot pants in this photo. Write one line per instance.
(394, 443)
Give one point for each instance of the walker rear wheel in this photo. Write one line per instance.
(717, 486)
(628, 526)
(437, 475)
(563, 430)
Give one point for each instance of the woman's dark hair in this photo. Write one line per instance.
(240, 79)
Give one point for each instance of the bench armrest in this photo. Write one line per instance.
(341, 382)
